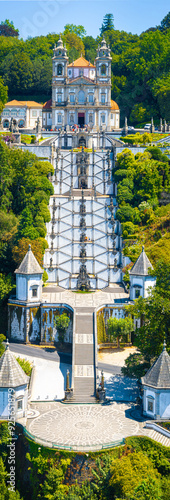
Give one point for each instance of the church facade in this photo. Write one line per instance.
(81, 91)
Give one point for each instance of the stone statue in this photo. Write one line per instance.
(83, 281)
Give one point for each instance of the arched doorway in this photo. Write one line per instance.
(21, 123)
(6, 123)
(82, 141)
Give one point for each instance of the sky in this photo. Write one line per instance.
(34, 18)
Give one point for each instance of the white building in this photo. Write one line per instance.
(156, 388)
(140, 280)
(23, 113)
(81, 91)
(13, 387)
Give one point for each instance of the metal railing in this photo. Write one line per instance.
(72, 446)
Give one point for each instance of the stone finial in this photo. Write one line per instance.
(143, 248)
(164, 345)
(29, 247)
(7, 345)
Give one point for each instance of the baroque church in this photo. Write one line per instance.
(81, 91)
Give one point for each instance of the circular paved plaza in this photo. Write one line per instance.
(84, 426)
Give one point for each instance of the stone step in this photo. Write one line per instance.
(84, 354)
(160, 438)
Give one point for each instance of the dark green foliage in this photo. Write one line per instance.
(24, 195)
(119, 329)
(25, 365)
(108, 24)
(61, 322)
(155, 316)
(135, 366)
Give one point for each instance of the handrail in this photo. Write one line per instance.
(72, 446)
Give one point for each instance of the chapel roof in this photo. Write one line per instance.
(29, 264)
(158, 375)
(114, 105)
(81, 62)
(29, 104)
(11, 373)
(47, 104)
(142, 265)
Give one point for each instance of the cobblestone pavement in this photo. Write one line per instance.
(83, 426)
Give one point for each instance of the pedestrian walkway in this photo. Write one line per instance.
(84, 357)
(88, 427)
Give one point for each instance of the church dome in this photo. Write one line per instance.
(114, 105)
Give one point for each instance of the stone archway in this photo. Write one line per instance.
(82, 141)
(6, 123)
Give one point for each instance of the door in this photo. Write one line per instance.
(81, 120)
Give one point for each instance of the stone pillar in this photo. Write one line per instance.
(160, 126)
(164, 126)
(152, 126)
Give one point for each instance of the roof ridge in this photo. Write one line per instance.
(11, 373)
(29, 264)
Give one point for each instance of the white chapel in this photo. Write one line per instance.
(81, 91)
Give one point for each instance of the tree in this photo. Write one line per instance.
(7, 29)
(37, 246)
(78, 30)
(165, 23)
(108, 24)
(61, 322)
(119, 328)
(2, 348)
(154, 312)
(129, 472)
(3, 95)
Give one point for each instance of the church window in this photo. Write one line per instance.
(111, 116)
(59, 69)
(103, 118)
(103, 69)
(34, 113)
(91, 118)
(19, 404)
(34, 292)
(69, 72)
(71, 118)
(137, 293)
(71, 97)
(14, 112)
(81, 97)
(21, 112)
(81, 72)
(59, 118)
(103, 98)
(150, 404)
(6, 113)
(59, 99)
(90, 97)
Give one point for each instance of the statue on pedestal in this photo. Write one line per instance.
(83, 281)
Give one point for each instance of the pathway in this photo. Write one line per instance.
(87, 427)
(84, 356)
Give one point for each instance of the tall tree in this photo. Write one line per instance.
(165, 23)
(108, 24)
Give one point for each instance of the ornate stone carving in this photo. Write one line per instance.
(83, 281)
